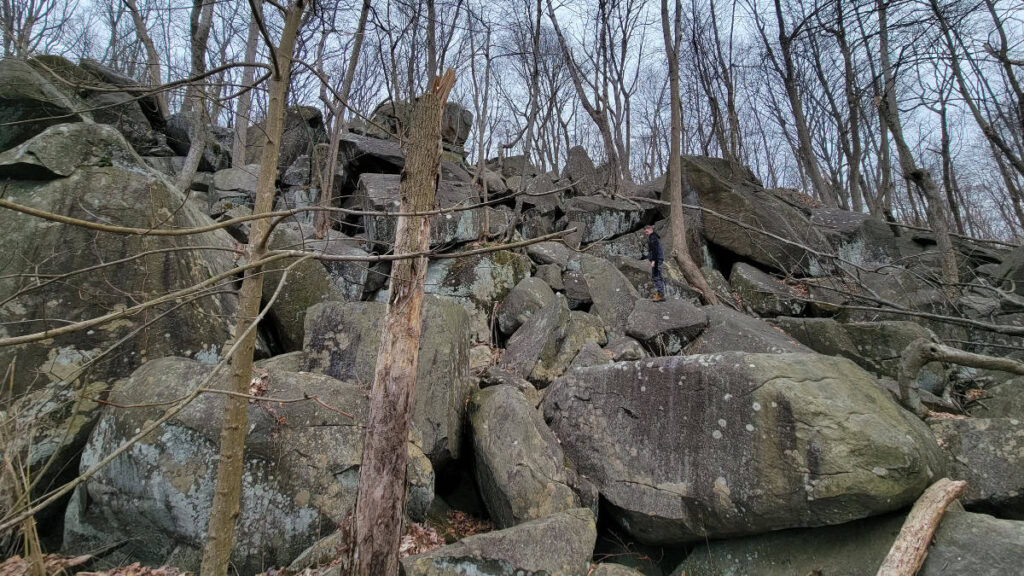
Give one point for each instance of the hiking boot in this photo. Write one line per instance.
(658, 298)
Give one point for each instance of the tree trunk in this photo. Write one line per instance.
(381, 500)
(201, 20)
(231, 462)
(673, 186)
(152, 57)
(245, 98)
(911, 546)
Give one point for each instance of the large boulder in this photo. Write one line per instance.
(666, 327)
(301, 469)
(380, 193)
(729, 330)
(1005, 399)
(456, 121)
(612, 293)
(599, 218)
(989, 454)
(964, 543)
(519, 465)
(342, 338)
(558, 544)
(89, 172)
(742, 208)
(856, 237)
(529, 296)
(217, 153)
(722, 445)
(303, 129)
(762, 293)
(30, 103)
(532, 351)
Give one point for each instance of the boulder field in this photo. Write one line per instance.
(584, 428)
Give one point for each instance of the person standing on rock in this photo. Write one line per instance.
(655, 255)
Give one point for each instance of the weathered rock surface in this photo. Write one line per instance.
(600, 218)
(532, 351)
(89, 172)
(342, 338)
(612, 293)
(666, 326)
(614, 570)
(989, 454)
(856, 237)
(526, 298)
(558, 544)
(964, 543)
(303, 129)
(721, 445)
(519, 465)
(729, 330)
(763, 294)
(300, 477)
(1005, 399)
(29, 103)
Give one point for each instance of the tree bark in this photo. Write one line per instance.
(911, 546)
(152, 57)
(381, 501)
(673, 185)
(231, 462)
(201, 20)
(245, 98)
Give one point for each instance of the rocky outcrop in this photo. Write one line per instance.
(721, 445)
(558, 544)
(532, 351)
(1002, 400)
(30, 103)
(665, 327)
(342, 338)
(612, 293)
(301, 469)
(599, 218)
(762, 294)
(964, 543)
(529, 296)
(989, 454)
(729, 330)
(303, 129)
(519, 465)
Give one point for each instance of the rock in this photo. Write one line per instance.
(591, 354)
(874, 346)
(342, 339)
(349, 277)
(576, 290)
(303, 129)
(600, 218)
(308, 283)
(481, 356)
(166, 165)
(478, 282)
(614, 570)
(530, 295)
(856, 237)
(532, 352)
(497, 376)
(611, 291)
(581, 330)
(722, 445)
(666, 327)
(964, 543)
(30, 103)
(559, 544)
(153, 501)
(520, 468)
(729, 330)
(1002, 400)
(362, 154)
(297, 198)
(624, 348)
(551, 253)
(456, 121)
(299, 173)
(586, 178)
(734, 192)
(639, 274)
(762, 294)
(989, 454)
(235, 182)
(380, 193)
(540, 193)
(551, 274)
(89, 172)
(142, 93)
(216, 155)
(289, 362)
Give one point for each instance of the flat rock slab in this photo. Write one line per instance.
(729, 330)
(989, 454)
(666, 326)
(721, 445)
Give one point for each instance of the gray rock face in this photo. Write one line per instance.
(964, 543)
(29, 103)
(734, 192)
(232, 183)
(303, 129)
(1011, 271)
(722, 445)
(666, 326)
(614, 570)
(639, 274)
(591, 354)
(600, 218)
(551, 253)
(576, 289)
(989, 454)
(1002, 400)
(456, 121)
(519, 466)
(342, 339)
(551, 274)
(558, 544)
(624, 348)
(533, 349)
(217, 154)
(88, 171)
(729, 330)
(579, 169)
(612, 293)
(762, 294)
(529, 296)
(856, 237)
(300, 477)
(379, 192)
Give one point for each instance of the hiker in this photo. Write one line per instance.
(655, 255)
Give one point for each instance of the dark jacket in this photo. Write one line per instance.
(654, 247)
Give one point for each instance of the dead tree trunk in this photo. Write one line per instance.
(201, 20)
(923, 351)
(381, 500)
(228, 491)
(911, 546)
(673, 186)
(152, 56)
(244, 104)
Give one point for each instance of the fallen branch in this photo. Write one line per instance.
(911, 546)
